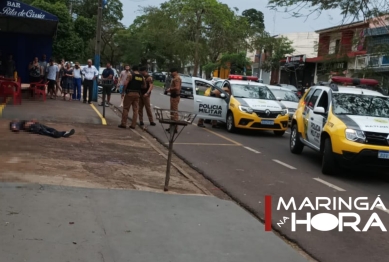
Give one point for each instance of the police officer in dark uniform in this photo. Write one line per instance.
(132, 89)
(144, 101)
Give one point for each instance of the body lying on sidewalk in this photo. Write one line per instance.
(34, 127)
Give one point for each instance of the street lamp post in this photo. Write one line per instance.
(98, 46)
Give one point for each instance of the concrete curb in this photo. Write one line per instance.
(178, 168)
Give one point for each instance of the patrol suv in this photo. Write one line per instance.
(251, 105)
(348, 125)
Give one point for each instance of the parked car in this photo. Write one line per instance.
(159, 76)
(294, 89)
(186, 85)
(286, 97)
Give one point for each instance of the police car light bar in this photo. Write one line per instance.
(240, 77)
(354, 81)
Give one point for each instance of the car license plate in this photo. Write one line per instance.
(383, 154)
(267, 122)
(187, 92)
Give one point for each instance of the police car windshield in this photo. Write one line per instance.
(285, 95)
(360, 105)
(252, 91)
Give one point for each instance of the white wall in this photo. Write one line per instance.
(303, 43)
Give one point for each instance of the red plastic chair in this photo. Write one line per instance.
(39, 89)
(11, 89)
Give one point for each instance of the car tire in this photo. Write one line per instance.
(296, 146)
(328, 165)
(279, 133)
(230, 123)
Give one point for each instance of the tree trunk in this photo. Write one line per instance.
(197, 39)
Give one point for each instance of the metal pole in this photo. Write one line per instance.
(104, 101)
(169, 158)
(98, 47)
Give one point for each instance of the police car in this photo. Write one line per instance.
(348, 125)
(286, 97)
(251, 105)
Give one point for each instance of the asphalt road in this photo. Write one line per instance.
(251, 165)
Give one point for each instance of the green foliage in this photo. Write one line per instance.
(77, 28)
(275, 50)
(354, 9)
(255, 19)
(68, 44)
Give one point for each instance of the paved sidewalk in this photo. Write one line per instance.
(48, 223)
(60, 198)
(59, 111)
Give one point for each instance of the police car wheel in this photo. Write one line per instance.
(230, 123)
(296, 146)
(328, 166)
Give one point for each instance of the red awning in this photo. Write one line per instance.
(324, 58)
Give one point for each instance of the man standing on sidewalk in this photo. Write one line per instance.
(77, 82)
(90, 73)
(122, 79)
(107, 77)
(43, 64)
(144, 100)
(175, 93)
(52, 75)
(132, 88)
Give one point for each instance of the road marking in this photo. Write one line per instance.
(252, 150)
(329, 184)
(103, 121)
(284, 164)
(203, 144)
(385, 210)
(287, 133)
(221, 136)
(2, 106)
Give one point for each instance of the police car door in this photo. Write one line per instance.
(207, 107)
(314, 130)
(320, 118)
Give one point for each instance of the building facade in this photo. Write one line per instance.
(295, 68)
(375, 63)
(338, 49)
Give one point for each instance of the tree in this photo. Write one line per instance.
(351, 8)
(255, 19)
(68, 44)
(275, 49)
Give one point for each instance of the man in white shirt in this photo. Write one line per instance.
(90, 74)
(52, 71)
(77, 82)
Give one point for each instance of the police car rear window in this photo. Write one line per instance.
(360, 105)
(252, 91)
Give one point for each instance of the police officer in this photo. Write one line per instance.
(132, 89)
(144, 100)
(175, 93)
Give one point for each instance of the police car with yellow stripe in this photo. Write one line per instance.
(250, 105)
(348, 125)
